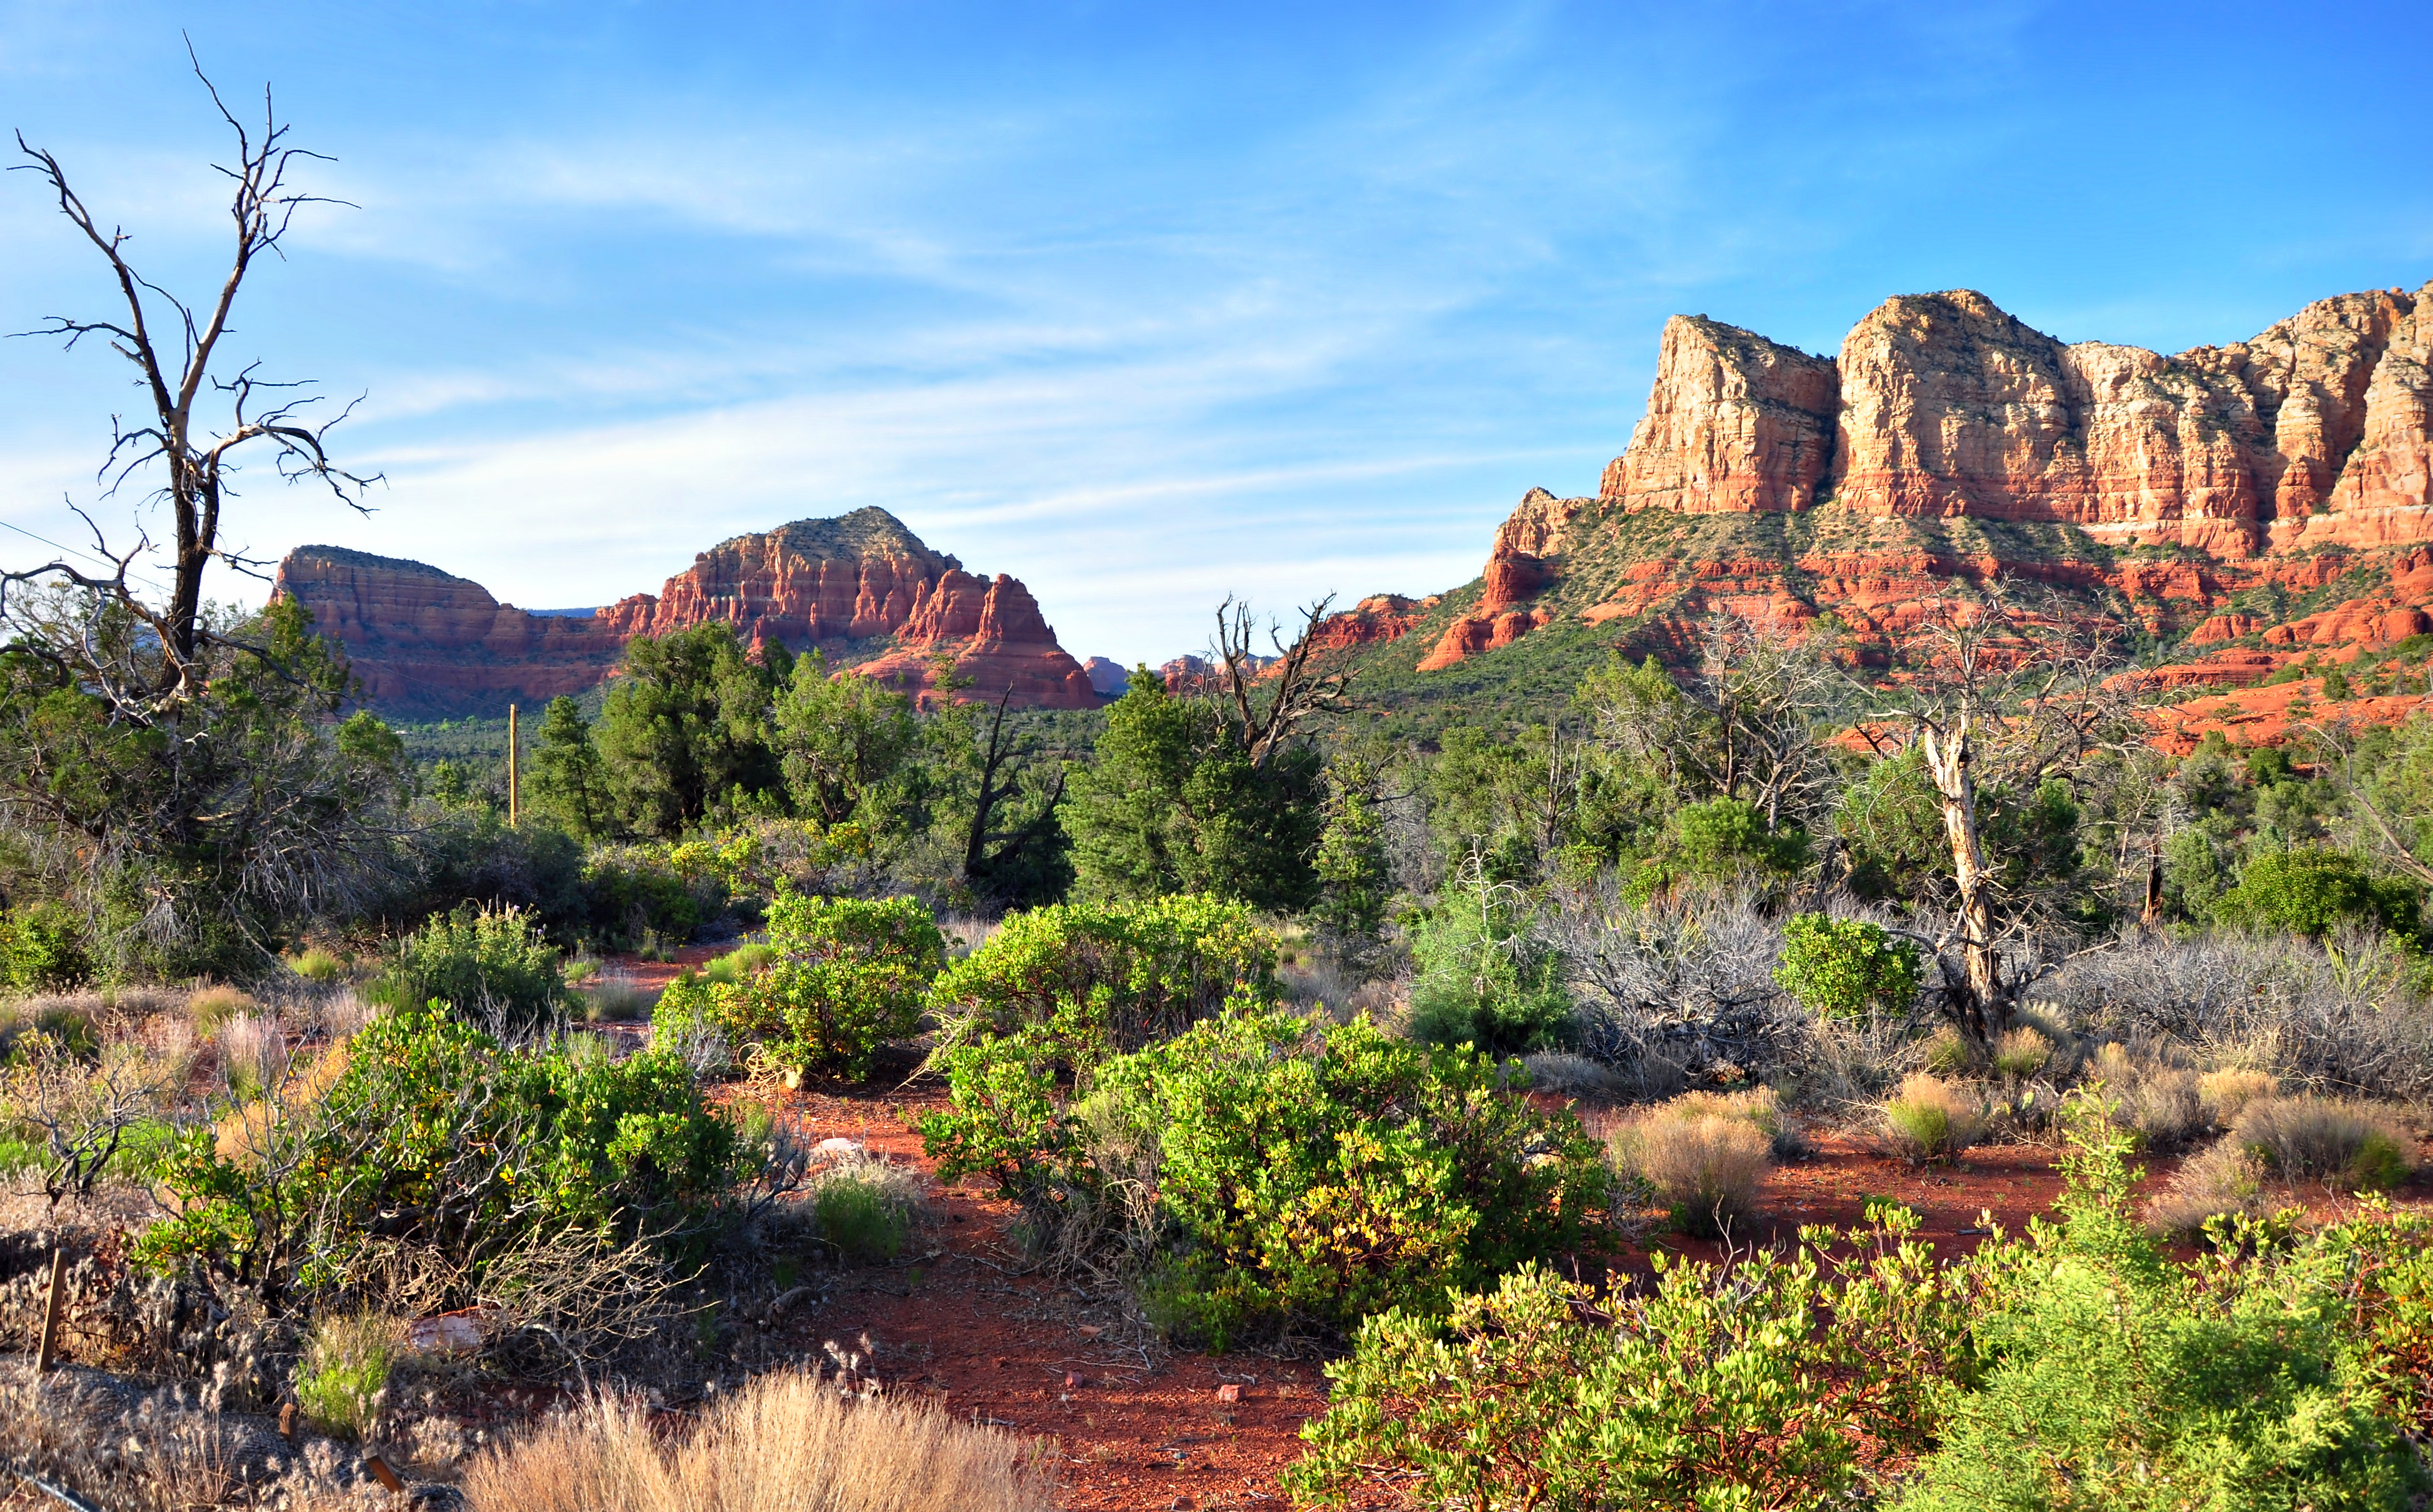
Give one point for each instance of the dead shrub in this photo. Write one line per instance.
(1931, 1120)
(2357, 1144)
(1572, 1076)
(1700, 1157)
(791, 1442)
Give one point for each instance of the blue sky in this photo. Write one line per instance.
(1142, 303)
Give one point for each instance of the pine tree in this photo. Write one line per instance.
(569, 781)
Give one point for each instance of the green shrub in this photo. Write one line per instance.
(433, 1136)
(42, 949)
(1777, 1382)
(2076, 1365)
(1131, 972)
(342, 1378)
(1302, 1172)
(2103, 1368)
(2313, 891)
(1484, 979)
(633, 893)
(847, 976)
(489, 961)
(2022, 1052)
(1845, 968)
(860, 1219)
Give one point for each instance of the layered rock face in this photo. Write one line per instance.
(992, 635)
(425, 642)
(1734, 422)
(1942, 404)
(2243, 463)
(853, 578)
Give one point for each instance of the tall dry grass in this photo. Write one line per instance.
(1701, 1156)
(784, 1443)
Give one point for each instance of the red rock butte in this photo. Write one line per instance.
(860, 587)
(1948, 440)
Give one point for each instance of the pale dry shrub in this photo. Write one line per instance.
(616, 998)
(161, 1452)
(2224, 1092)
(2344, 1015)
(791, 1442)
(1700, 1157)
(2160, 1101)
(2305, 1138)
(253, 1054)
(2227, 1180)
(1931, 1120)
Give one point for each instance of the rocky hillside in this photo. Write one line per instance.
(2243, 506)
(862, 588)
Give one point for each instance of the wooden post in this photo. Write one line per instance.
(45, 1354)
(515, 789)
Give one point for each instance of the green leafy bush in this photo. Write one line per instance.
(479, 960)
(2074, 1365)
(635, 893)
(846, 975)
(42, 949)
(2312, 892)
(1122, 974)
(1845, 968)
(2102, 1366)
(1779, 1381)
(1302, 1172)
(425, 1134)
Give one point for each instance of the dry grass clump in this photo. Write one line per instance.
(253, 1054)
(2023, 1052)
(1700, 1157)
(1931, 1120)
(791, 1442)
(2224, 1181)
(208, 1007)
(2357, 1144)
(2224, 1092)
(616, 998)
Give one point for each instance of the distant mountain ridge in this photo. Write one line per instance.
(860, 587)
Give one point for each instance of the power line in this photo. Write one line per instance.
(148, 581)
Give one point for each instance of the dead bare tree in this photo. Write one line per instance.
(1995, 698)
(197, 464)
(1268, 700)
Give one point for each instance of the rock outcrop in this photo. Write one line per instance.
(1734, 422)
(1108, 678)
(423, 642)
(990, 635)
(2167, 484)
(426, 643)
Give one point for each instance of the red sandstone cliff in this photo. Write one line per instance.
(425, 642)
(2244, 462)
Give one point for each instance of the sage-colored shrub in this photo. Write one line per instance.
(2305, 1138)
